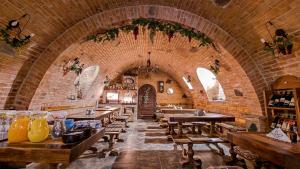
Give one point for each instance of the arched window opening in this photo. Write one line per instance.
(210, 84)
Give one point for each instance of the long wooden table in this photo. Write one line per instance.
(177, 111)
(98, 115)
(208, 117)
(50, 151)
(108, 108)
(283, 154)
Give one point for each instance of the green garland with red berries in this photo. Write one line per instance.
(153, 26)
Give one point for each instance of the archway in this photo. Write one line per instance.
(26, 90)
(146, 101)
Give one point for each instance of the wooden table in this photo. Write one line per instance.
(208, 117)
(177, 111)
(98, 115)
(50, 151)
(280, 153)
(108, 109)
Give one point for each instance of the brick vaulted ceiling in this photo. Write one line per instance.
(58, 24)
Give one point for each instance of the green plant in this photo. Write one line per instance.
(13, 42)
(170, 29)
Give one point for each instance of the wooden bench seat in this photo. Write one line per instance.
(230, 127)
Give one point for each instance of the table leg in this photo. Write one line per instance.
(200, 129)
(109, 119)
(111, 141)
(180, 132)
(169, 130)
(212, 128)
(232, 153)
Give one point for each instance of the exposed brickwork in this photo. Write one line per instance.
(164, 13)
(238, 32)
(175, 58)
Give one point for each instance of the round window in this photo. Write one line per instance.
(170, 91)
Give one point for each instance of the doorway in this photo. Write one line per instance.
(146, 101)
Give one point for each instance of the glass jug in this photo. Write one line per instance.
(38, 129)
(18, 129)
(58, 128)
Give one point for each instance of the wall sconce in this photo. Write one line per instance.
(12, 34)
(215, 68)
(73, 65)
(281, 43)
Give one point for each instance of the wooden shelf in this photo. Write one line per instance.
(284, 83)
(282, 108)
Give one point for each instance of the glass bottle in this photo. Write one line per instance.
(18, 129)
(38, 129)
(58, 128)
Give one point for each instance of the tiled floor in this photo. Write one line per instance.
(145, 147)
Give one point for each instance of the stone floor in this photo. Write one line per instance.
(145, 147)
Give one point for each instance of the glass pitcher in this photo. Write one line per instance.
(58, 128)
(18, 129)
(38, 129)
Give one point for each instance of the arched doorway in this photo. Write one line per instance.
(146, 101)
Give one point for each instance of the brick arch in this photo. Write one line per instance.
(107, 18)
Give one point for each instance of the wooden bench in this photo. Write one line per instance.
(112, 133)
(208, 141)
(123, 119)
(224, 128)
(187, 160)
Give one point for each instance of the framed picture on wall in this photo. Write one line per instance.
(112, 97)
(160, 86)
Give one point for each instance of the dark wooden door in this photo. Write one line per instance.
(146, 101)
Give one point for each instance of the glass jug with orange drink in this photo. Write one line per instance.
(38, 129)
(18, 129)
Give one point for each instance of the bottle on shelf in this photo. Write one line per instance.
(288, 99)
(277, 98)
(293, 134)
(275, 122)
(282, 99)
(292, 102)
(272, 100)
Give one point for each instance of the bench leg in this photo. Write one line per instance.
(190, 161)
(193, 129)
(221, 151)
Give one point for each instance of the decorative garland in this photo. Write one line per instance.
(153, 26)
(13, 42)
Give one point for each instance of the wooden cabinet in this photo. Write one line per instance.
(289, 84)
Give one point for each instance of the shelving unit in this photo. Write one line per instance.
(285, 83)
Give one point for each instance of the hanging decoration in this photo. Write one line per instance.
(12, 34)
(153, 26)
(73, 65)
(281, 43)
(146, 70)
(215, 67)
(106, 81)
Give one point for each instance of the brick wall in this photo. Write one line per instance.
(164, 98)
(238, 34)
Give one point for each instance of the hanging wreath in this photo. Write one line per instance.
(153, 26)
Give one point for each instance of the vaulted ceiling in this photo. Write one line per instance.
(238, 26)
